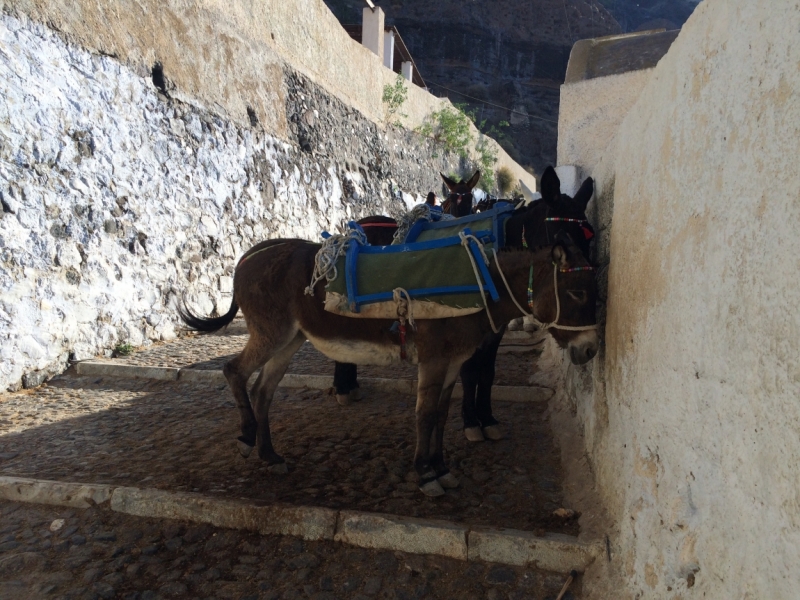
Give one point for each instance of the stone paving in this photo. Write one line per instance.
(53, 552)
(181, 436)
(212, 351)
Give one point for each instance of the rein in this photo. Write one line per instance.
(553, 324)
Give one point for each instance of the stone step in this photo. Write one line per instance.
(552, 552)
(92, 368)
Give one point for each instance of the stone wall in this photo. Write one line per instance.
(119, 198)
(690, 412)
(229, 56)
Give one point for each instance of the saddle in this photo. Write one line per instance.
(440, 270)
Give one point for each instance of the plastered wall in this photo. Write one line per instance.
(691, 414)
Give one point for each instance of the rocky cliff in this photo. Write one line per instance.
(507, 58)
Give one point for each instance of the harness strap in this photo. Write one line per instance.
(404, 313)
(554, 324)
(393, 225)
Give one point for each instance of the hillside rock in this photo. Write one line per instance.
(506, 59)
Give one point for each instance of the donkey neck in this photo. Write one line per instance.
(516, 266)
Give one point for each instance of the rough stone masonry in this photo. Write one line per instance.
(118, 200)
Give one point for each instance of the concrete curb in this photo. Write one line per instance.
(90, 368)
(308, 523)
(388, 532)
(553, 552)
(36, 491)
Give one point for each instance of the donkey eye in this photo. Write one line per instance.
(577, 295)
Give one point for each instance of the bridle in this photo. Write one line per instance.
(456, 197)
(554, 323)
(588, 230)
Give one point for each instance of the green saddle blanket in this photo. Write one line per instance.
(440, 277)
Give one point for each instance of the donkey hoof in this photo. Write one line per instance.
(244, 448)
(343, 399)
(448, 481)
(356, 395)
(432, 488)
(493, 432)
(473, 434)
(278, 469)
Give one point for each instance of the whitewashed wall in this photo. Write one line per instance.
(117, 200)
(691, 414)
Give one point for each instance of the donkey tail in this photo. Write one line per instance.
(212, 324)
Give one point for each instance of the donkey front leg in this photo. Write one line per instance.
(432, 378)
(262, 394)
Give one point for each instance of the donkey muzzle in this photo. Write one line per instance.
(583, 347)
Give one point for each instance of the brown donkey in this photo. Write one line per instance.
(269, 288)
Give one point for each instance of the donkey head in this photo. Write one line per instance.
(459, 201)
(567, 300)
(551, 193)
(539, 223)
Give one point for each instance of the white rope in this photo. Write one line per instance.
(328, 255)
(508, 287)
(555, 324)
(405, 310)
(406, 222)
(465, 239)
(543, 326)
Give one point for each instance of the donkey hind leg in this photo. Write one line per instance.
(262, 393)
(237, 372)
(345, 383)
(469, 383)
(483, 400)
(443, 475)
(432, 376)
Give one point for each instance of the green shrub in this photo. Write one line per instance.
(449, 128)
(394, 96)
(123, 350)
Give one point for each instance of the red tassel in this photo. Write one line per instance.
(403, 341)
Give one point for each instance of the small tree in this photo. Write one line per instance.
(450, 128)
(394, 96)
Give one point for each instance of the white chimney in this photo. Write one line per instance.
(407, 69)
(372, 30)
(388, 49)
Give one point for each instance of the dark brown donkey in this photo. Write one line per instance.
(269, 287)
(534, 226)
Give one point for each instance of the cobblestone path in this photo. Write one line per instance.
(181, 436)
(212, 351)
(51, 552)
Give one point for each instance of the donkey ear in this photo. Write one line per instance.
(551, 186)
(584, 194)
(473, 181)
(448, 182)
